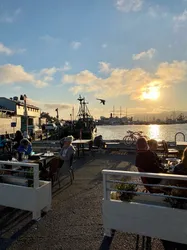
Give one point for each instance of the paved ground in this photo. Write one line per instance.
(75, 222)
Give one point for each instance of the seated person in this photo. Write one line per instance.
(153, 146)
(3, 143)
(182, 167)
(98, 142)
(67, 150)
(147, 162)
(17, 139)
(25, 147)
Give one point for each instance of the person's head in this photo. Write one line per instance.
(7, 136)
(68, 140)
(153, 145)
(19, 133)
(142, 144)
(25, 143)
(184, 157)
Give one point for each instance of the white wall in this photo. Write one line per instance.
(5, 125)
(32, 113)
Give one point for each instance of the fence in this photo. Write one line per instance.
(147, 214)
(21, 188)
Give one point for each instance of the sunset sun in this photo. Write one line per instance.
(152, 93)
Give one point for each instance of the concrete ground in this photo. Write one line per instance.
(75, 221)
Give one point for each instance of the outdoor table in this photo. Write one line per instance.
(81, 143)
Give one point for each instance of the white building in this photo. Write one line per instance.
(17, 108)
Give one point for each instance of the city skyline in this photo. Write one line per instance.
(132, 53)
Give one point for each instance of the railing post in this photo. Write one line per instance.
(104, 187)
(36, 176)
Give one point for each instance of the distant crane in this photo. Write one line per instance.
(102, 101)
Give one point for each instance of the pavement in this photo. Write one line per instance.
(75, 221)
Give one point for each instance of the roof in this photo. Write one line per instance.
(2, 108)
(21, 103)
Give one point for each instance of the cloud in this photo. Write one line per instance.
(57, 105)
(49, 39)
(129, 5)
(10, 17)
(145, 54)
(75, 45)
(10, 73)
(84, 77)
(104, 45)
(7, 51)
(131, 82)
(180, 20)
(104, 67)
(48, 73)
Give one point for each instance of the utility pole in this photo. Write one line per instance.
(73, 112)
(113, 111)
(57, 116)
(120, 112)
(24, 99)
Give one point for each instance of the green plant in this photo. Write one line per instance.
(127, 187)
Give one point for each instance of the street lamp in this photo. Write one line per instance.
(24, 98)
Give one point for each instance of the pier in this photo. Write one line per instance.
(75, 221)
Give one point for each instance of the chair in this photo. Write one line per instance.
(54, 166)
(71, 172)
(149, 188)
(169, 152)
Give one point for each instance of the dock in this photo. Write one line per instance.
(75, 221)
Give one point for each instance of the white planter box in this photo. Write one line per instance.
(145, 219)
(27, 198)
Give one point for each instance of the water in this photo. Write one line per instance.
(163, 132)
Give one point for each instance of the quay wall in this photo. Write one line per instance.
(5, 125)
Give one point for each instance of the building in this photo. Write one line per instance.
(16, 107)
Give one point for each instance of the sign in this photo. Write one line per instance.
(13, 124)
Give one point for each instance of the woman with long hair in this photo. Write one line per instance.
(182, 167)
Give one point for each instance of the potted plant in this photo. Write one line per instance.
(130, 188)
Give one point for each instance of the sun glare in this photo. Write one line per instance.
(152, 93)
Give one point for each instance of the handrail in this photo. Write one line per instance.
(22, 164)
(179, 133)
(144, 174)
(107, 182)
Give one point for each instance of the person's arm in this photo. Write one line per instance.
(29, 150)
(155, 165)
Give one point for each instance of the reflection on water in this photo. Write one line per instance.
(154, 131)
(164, 132)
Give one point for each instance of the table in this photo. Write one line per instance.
(79, 143)
(181, 145)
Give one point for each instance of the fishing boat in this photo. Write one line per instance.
(84, 127)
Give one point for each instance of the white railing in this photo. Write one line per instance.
(147, 214)
(16, 192)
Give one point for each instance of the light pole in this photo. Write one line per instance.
(24, 98)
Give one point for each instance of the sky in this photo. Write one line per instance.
(133, 53)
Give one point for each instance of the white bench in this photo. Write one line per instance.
(14, 191)
(146, 214)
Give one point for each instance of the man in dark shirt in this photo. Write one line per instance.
(146, 161)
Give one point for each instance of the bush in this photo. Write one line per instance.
(127, 187)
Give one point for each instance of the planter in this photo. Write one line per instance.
(145, 219)
(26, 198)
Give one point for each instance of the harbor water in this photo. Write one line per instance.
(163, 132)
